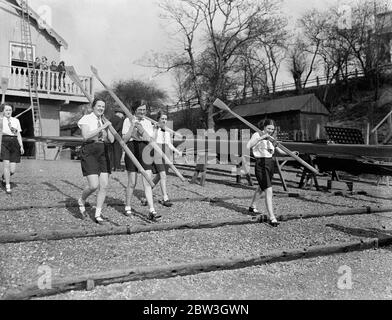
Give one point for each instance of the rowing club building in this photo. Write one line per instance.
(298, 118)
(55, 92)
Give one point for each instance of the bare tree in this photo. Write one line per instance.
(222, 28)
(297, 63)
(130, 91)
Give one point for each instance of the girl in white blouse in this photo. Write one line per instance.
(139, 145)
(163, 140)
(95, 156)
(11, 145)
(263, 150)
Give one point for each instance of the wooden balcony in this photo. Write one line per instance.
(51, 85)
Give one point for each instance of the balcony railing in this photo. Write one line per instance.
(48, 82)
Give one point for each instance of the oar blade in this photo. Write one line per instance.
(221, 105)
(94, 70)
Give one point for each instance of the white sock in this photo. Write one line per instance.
(128, 208)
(165, 198)
(152, 209)
(8, 186)
(98, 212)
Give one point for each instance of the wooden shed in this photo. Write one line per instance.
(297, 118)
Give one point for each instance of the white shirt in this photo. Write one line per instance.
(91, 120)
(15, 124)
(147, 126)
(163, 137)
(263, 149)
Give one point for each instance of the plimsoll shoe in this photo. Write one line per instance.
(99, 220)
(152, 215)
(128, 212)
(165, 203)
(274, 223)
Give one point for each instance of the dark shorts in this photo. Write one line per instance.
(159, 163)
(10, 149)
(138, 148)
(95, 158)
(264, 171)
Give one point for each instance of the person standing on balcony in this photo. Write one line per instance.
(37, 63)
(53, 76)
(11, 145)
(61, 71)
(94, 155)
(37, 68)
(44, 73)
(53, 66)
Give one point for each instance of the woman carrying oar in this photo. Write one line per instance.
(137, 143)
(163, 139)
(95, 156)
(263, 150)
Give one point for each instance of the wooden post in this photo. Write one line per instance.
(4, 87)
(367, 138)
(280, 174)
(318, 130)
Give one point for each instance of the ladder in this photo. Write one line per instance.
(32, 80)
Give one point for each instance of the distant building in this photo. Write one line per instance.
(384, 31)
(297, 118)
(55, 91)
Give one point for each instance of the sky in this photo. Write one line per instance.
(113, 35)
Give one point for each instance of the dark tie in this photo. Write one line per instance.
(100, 134)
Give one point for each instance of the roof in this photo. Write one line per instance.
(305, 103)
(17, 4)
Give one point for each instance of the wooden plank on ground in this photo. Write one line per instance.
(129, 230)
(89, 281)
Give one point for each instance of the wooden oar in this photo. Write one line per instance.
(221, 105)
(145, 134)
(4, 87)
(73, 75)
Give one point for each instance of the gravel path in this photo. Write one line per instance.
(43, 184)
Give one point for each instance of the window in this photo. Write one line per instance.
(18, 56)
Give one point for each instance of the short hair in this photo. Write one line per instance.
(6, 104)
(136, 104)
(266, 122)
(160, 114)
(96, 100)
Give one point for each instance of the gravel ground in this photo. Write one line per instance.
(43, 184)
(308, 279)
